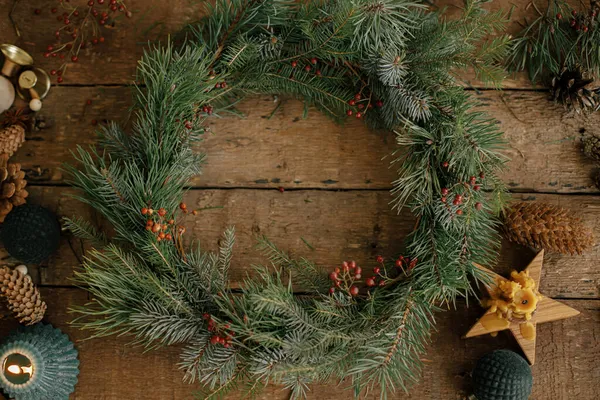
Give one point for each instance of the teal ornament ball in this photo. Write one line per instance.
(38, 362)
(502, 375)
(30, 233)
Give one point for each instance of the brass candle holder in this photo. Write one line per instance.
(14, 59)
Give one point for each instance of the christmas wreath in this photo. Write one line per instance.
(389, 62)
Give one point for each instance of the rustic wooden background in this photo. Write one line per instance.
(337, 183)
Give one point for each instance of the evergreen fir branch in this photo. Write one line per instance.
(85, 230)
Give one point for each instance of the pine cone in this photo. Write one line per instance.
(552, 228)
(591, 147)
(11, 138)
(572, 89)
(12, 186)
(23, 297)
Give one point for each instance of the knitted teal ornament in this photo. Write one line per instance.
(38, 362)
(502, 375)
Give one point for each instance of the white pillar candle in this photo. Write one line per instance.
(7, 94)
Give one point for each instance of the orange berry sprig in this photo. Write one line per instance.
(381, 277)
(80, 26)
(163, 225)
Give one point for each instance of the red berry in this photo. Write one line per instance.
(100, 1)
(67, 21)
(458, 198)
(559, 16)
(59, 79)
(94, 122)
(113, 1)
(101, 39)
(352, 102)
(145, 211)
(313, 60)
(358, 114)
(307, 68)
(573, 23)
(482, 175)
(76, 13)
(88, 102)
(585, 29)
(354, 291)
(46, 54)
(102, 22)
(37, 11)
(574, 12)
(472, 180)
(379, 259)
(91, 3)
(348, 112)
(379, 103)
(318, 72)
(445, 164)
(476, 187)
(113, 8)
(337, 270)
(281, 189)
(357, 276)
(382, 283)
(370, 282)
(444, 199)
(352, 264)
(162, 212)
(361, 106)
(214, 340)
(223, 85)
(54, 54)
(358, 270)
(459, 212)
(478, 206)
(444, 191)
(294, 64)
(59, 72)
(376, 270)
(53, 72)
(357, 96)
(183, 206)
(331, 290)
(74, 58)
(399, 262)
(53, 11)
(333, 276)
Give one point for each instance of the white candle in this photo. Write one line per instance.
(7, 94)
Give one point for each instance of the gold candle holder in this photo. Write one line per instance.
(14, 59)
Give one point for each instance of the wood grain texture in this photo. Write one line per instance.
(544, 143)
(115, 62)
(338, 225)
(566, 367)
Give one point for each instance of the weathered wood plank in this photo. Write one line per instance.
(566, 364)
(115, 61)
(287, 150)
(339, 226)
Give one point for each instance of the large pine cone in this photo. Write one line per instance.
(12, 186)
(23, 297)
(574, 90)
(552, 228)
(11, 138)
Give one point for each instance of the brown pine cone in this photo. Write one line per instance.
(12, 186)
(23, 298)
(546, 226)
(11, 138)
(591, 147)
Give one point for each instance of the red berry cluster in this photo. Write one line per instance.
(583, 22)
(162, 224)
(345, 278)
(309, 65)
(462, 193)
(405, 264)
(222, 335)
(361, 104)
(79, 28)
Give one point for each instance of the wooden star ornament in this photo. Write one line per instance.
(547, 310)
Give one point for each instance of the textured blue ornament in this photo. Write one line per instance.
(54, 360)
